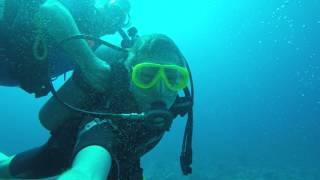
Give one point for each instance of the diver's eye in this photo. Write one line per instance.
(172, 76)
(148, 74)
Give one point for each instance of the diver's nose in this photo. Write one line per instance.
(161, 87)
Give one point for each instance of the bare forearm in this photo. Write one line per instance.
(60, 25)
(73, 174)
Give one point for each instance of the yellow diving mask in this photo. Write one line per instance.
(147, 75)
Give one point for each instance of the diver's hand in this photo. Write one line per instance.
(97, 74)
(3, 157)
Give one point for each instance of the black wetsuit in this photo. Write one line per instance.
(126, 143)
(18, 65)
(126, 140)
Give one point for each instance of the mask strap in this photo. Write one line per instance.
(186, 154)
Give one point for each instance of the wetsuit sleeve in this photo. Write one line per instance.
(96, 132)
(102, 133)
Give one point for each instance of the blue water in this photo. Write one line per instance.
(256, 69)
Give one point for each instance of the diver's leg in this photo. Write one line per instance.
(4, 165)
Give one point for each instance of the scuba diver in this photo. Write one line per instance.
(30, 32)
(103, 135)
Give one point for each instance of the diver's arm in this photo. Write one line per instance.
(91, 163)
(53, 114)
(4, 165)
(60, 24)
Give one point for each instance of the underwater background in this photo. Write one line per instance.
(256, 71)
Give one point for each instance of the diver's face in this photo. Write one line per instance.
(110, 18)
(159, 92)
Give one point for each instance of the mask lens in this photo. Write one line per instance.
(144, 75)
(177, 78)
(147, 75)
(172, 76)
